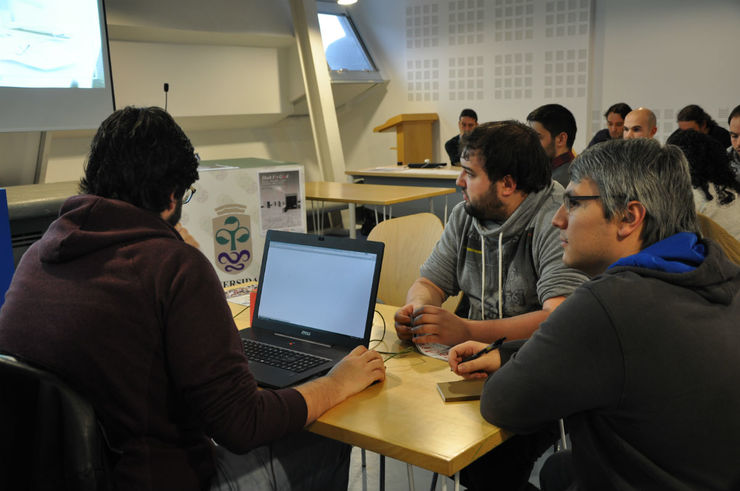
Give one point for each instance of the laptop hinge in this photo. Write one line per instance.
(302, 339)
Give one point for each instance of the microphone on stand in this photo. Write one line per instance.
(166, 90)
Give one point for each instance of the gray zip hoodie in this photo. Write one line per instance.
(522, 261)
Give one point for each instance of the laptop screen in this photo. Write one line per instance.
(326, 287)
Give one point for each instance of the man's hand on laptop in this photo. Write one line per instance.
(436, 325)
(360, 368)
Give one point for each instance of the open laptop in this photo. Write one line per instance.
(316, 296)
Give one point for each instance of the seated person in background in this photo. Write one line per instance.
(498, 248)
(640, 356)
(716, 192)
(466, 123)
(556, 128)
(615, 121)
(693, 117)
(114, 302)
(733, 151)
(640, 123)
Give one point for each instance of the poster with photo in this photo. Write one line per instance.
(281, 207)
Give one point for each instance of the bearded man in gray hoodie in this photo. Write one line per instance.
(500, 249)
(498, 246)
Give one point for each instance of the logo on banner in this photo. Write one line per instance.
(232, 239)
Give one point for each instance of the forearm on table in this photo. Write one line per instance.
(516, 327)
(320, 395)
(424, 292)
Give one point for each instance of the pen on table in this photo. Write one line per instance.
(494, 345)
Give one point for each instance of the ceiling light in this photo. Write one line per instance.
(346, 2)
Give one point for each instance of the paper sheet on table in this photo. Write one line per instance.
(435, 350)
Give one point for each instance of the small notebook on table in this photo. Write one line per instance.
(461, 390)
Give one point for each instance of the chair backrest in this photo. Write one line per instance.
(49, 435)
(711, 229)
(409, 241)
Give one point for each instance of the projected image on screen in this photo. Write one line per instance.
(50, 44)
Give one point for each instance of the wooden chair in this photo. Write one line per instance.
(711, 229)
(409, 241)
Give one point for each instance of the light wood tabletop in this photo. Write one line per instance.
(404, 417)
(369, 194)
(402, 171)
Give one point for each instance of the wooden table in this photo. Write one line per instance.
(445, 177)
(446, 173)
(371, 194)
(404, 417)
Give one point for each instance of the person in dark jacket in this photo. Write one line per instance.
(641, 361)
(466, 123)
(615, 124)
(693, 117)
(114, 302)
(556, 127)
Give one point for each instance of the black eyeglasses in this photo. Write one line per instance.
(570, 201)
(188, 195)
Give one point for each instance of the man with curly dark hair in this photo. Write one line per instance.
(113, 301)
(693, 117)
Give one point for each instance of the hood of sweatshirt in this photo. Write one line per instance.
(522, 216)
(679, 253)
(89, 223)
(715, 278)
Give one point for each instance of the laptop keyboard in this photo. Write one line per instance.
(287, 359)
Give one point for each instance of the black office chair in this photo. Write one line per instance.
(49, 436)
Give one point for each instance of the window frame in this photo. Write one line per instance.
(350, 75)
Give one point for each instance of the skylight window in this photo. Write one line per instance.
(343, 48)
(346, 55)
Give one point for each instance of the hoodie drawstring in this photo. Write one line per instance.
(500, 277)
(483, 278)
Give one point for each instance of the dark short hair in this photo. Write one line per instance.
(708, 164)
(468, 113)
(734, 114)
(692, 112)
(556, 119)
(141, 156)
(510, 148)
(621, 108)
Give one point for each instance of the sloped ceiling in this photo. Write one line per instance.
(233, 22)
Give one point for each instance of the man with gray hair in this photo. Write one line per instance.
(642, 356)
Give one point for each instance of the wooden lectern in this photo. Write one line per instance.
(414, 137)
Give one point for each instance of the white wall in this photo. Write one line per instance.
(203, 80)
(667, 54)
(662, 54)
